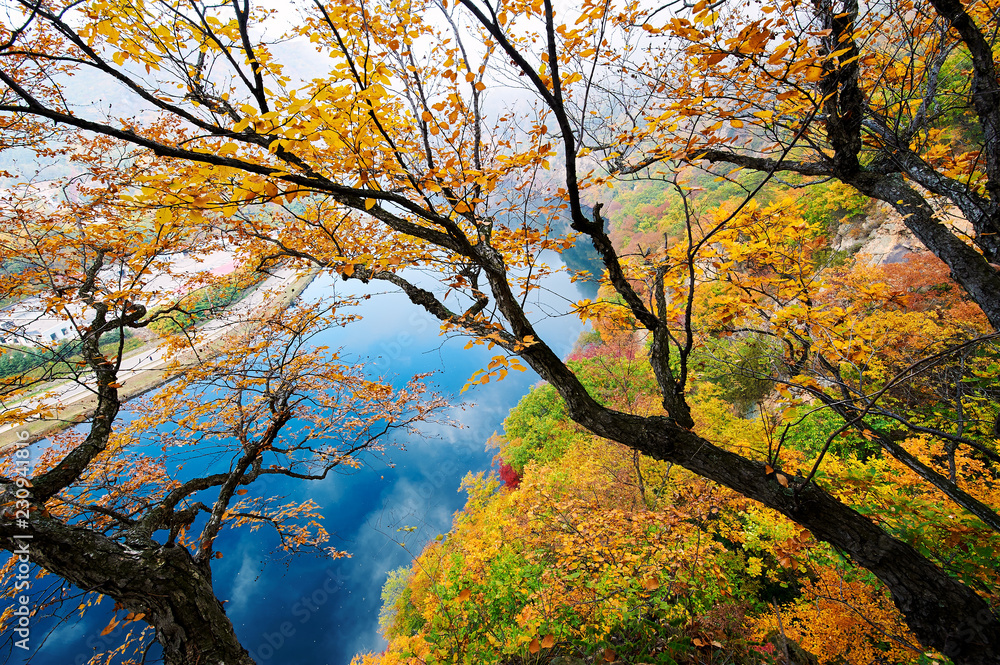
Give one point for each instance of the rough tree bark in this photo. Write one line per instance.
(163, 582)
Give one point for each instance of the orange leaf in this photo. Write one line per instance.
(110, 627)
(534, 647)
(715, 58)
(548, 641)
(242, 492)
(609, 655)
(782, 479)
(768, 469)
(814, 74)
(464, 594)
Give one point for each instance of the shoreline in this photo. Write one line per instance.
(141, 382)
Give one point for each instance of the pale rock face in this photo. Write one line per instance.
(890, 243)
(882, 238)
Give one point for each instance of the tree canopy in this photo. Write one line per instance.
(398, 155)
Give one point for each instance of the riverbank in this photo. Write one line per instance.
(151, 373)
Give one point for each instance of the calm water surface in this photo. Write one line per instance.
(310, 610)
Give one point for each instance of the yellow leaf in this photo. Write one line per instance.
(110, 627)
(814, 74)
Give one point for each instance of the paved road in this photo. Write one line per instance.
(155, 358)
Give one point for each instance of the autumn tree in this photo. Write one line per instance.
(898, 100)
(133, 512)
(771, 285)
(390, 158)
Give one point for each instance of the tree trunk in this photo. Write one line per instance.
(969, 268)
(943, 613)
(162, 582)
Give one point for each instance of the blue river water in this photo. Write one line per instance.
(307, 609)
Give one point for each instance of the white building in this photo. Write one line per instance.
(28, 324)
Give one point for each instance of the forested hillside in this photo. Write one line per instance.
(577, 549)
